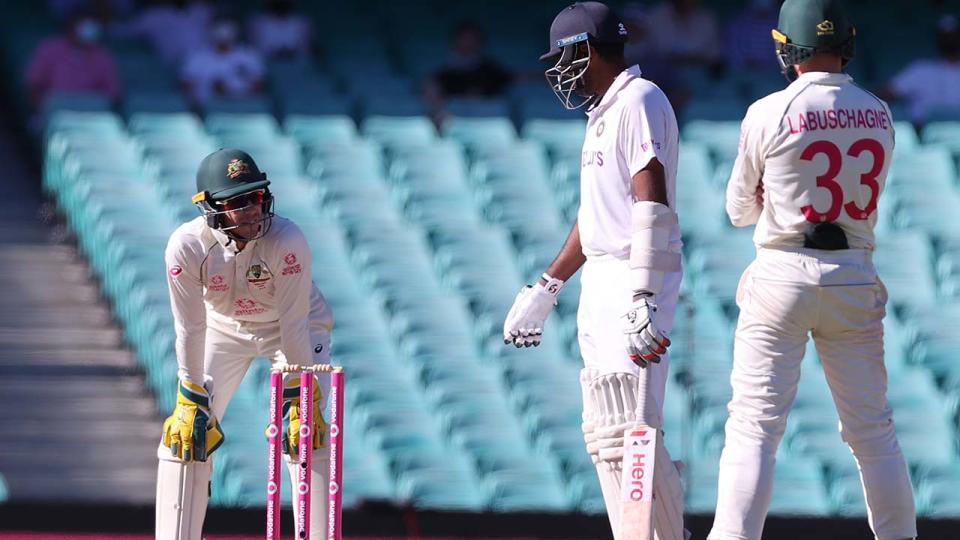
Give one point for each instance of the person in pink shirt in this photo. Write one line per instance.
(74, 62)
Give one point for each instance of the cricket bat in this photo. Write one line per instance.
(636, 481)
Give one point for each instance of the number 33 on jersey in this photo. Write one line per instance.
(822, 149)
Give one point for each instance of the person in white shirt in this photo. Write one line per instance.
(627, 239)
(227, 68)
(240, 288)
(280, 31)
(930, 85)
(812, 162)
(174, 28)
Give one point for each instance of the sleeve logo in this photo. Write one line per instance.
(290, 258)
(176, 270)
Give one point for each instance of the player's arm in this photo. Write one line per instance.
(643, 140)
(570, 258)
(191, 432)
(292, 292)
(745, 188)
(189, 311)
(523, 326)
(292, 288)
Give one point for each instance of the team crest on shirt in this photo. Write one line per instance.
(258, 275)
(600, 127)
(237, 167)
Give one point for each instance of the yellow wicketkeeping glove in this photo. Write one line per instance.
(291, 410)
(191, 432)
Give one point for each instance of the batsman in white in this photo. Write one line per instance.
(812, 162)
(240, 288)
(627, 239)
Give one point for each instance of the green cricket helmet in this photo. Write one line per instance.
(809, 26)
(229, 182)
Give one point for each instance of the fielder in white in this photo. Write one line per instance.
(812, 162)
(240, 288)
(628, 241)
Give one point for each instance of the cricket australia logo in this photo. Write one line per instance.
(236, 168)
(258, 275)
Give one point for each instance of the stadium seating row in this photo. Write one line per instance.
(420, 241)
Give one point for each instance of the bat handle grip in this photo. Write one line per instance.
(646, 409)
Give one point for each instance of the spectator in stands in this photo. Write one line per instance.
(638, 50)
(73, 62)
(468, 71)
(280, 31)
(685, 32)
(748, 36)
(931, 85)
(227, 68)
(174, 28)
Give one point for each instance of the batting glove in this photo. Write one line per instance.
(524, 323)
(645, 342)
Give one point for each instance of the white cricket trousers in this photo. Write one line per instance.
(605, 297)
(784, 296)
(230, 348)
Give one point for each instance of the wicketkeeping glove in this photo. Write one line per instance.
(191, 432)
(291, 410)
(524, 323)
(645, 342)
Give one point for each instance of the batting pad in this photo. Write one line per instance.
(183, 490)
(319, 483)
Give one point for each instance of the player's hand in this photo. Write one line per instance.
(645, 342)
(291, 410)
(524, 323)
(191, 432)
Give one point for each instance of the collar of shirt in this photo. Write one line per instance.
(823, 77)
(228, 244)
(618, 83)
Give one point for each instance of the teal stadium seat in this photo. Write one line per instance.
(946, 133)
(237, 128)
(481, 133)
(312, 130)
(391, 131)
(154, 101)
(721, 137)
(907, 284)
(555, 134)
(477, 107)
(238, 105)
(170, 128)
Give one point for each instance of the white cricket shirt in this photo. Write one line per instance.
(269, 281)
(632, 124)
(822, 147)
